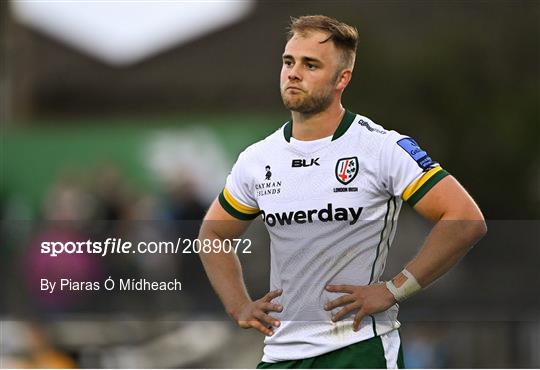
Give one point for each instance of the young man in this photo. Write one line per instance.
(330, 204)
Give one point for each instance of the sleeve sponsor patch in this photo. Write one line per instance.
(420, 156)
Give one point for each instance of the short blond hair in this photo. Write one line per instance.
(344, 37)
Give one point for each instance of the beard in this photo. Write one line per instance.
(305, 103)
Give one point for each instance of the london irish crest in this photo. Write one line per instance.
(346, 169)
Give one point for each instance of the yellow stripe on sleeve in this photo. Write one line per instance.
(417, 184)
(237, 205)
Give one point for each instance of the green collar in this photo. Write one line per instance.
(344, 125)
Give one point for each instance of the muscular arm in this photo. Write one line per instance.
(225, 273)
(459, 225)
(223, 269)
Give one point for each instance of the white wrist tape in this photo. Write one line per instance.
(407, 289)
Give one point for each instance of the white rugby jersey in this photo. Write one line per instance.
(330, 207)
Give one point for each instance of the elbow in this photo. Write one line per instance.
(473, 225)
(476, 231)
(481, 229)
(470, 229)
(480, 225)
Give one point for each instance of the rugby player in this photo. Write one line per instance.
(329, 185)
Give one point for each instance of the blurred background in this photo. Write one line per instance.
(128, 111)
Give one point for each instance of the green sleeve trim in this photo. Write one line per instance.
(419, 194)
(234, 212)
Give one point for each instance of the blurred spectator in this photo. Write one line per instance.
(31, 347)
(43, 353)
(67, 208)
(112, 192)
(68, 198)
(423, 349)
(182, 201)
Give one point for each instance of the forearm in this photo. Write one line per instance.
(446, 244)
(225, 274)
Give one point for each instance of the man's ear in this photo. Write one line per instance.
(344, 79)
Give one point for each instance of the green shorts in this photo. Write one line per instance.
(380, 352)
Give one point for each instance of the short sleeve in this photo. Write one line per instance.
(237, 198)
(407, 171)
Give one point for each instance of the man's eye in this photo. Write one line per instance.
(287, 63)
(311, 67)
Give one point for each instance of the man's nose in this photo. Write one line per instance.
(294, 74)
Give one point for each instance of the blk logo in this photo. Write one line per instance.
(305, 163)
